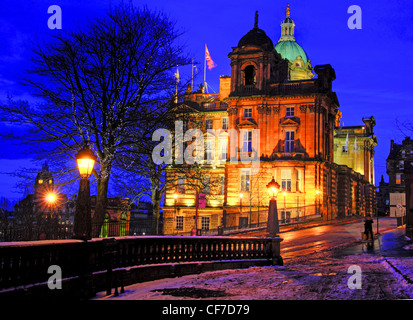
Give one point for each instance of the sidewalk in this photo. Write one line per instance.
(386, 273)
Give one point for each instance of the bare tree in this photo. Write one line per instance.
(99, 85)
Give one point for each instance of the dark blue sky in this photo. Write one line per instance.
(373, 65)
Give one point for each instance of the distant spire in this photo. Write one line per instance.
(256, 20)
(45, 167)
(288, 10)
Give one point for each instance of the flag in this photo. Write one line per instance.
(177, 74)
(211, 64)
(355, 144)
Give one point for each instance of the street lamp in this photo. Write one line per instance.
(272, 223)
(50, 199)
(82, 223)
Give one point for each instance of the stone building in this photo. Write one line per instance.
(284, 122)
(399, 155)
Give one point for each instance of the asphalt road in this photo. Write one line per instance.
(305, 241)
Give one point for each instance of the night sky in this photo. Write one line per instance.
(373, 65)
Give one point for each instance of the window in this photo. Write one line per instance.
(286, 180)
(248, 113)
(285, 216)
(222, 180)
(345, 149)
(208, 124)
(179, 223)
(249, 74)
(299, 181)
(181, 185)
(246, 141)
(245, 180)
(398, 178)
(225, 123)
(290, 112)
(289, 141)
(223, 148)
(205, 223)
(40, 181)
(206, 185)
(209, 149)
(401, 165)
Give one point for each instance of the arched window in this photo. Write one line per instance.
(249, 73)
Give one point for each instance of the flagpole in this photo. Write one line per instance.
(192, 78)
(205, 84)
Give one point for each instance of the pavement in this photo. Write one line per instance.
(357, 270)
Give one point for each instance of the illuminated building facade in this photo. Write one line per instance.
(296, 115)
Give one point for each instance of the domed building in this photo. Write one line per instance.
(272, 119)
(299, 64)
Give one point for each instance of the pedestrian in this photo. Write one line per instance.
(368, 227)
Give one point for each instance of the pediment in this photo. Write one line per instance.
(247, 123)
(290, 121)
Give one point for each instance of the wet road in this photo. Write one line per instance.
(300, 243)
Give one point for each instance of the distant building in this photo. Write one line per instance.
(383, 198)
(398, 156)
(38, 216)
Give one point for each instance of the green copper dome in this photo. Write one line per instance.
(290, 50)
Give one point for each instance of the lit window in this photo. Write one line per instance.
(223, 148)
(225, 123)
(245, 180)
(299, 182)
(246, 141)
(179, 223)
(247, 112)
(289, 141)
(290, 112)
(286, 180)
(398, 178)
(40, 181)
(205, 223)
(209, 148)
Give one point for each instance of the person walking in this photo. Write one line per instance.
(368, 227)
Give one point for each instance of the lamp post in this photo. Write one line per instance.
(50, 199)
(272, 223)
(82, 227)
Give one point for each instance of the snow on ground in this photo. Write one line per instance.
(319, 277)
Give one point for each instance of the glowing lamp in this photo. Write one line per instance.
(51, 198)
(273, 188)
(85, 161)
